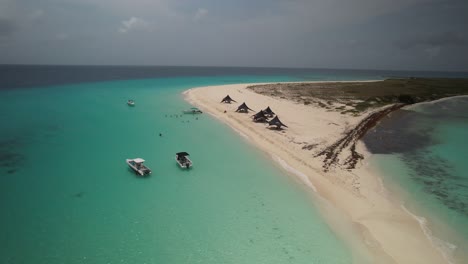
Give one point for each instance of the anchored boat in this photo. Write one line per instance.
(131, 103)
(183, 160)
(138, 166)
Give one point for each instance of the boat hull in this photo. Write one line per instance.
(184, 164)
(142, 171)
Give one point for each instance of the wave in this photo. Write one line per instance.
(444, 247)
(290, 169)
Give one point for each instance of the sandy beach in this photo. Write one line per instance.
(381, 228)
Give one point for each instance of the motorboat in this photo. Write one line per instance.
(183, 160)
(131, 103)
(138, 166)
(193, 110)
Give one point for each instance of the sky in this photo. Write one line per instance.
(346, 34)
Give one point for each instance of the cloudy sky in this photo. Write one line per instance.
(356, 34)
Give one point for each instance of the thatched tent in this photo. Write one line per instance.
(276, 122)
(243, 108)
(260, 117)
(228, 99)
(268, 112)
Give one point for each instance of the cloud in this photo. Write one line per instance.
(432, 51)
(7, 27)
(133, 23)
(201, 13)
(61, 36)
(36, 14)
(444, 39)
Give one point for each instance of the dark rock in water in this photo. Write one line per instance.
(395, 134)
(438, 178)
(79, 194)
(9, 156)
(410, 133)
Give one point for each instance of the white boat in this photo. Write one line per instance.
(131, 103)
(138, 166)
(193, 110)
(183, 160)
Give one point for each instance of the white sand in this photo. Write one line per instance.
(385, 232)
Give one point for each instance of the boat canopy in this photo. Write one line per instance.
(139, 160)
(182, 154)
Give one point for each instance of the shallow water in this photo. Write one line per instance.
(422, 153)
(67, 195)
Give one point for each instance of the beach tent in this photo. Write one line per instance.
(276, 122)
(228, 99)
(268, 112)
(243, 108)
(260, 117)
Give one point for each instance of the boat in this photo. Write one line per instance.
(138, 166)
(183, 160)
(131, 103)
(193, 110)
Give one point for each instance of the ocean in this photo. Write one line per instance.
(67, 195)
(422, 153)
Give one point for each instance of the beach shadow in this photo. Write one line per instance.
(276, 129)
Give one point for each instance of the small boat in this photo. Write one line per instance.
(138, 166)
(192, 110)
(131, 103)
(183, 160)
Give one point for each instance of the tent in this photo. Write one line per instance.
(276, 122)
(260, 117)
(228, 99)
(243, 108)
(268, 112)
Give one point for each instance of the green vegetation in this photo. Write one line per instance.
(362, 96)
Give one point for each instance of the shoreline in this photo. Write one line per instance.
(416, 105)
(382, 230)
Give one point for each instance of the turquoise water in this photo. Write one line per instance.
(67, 195)
(432, 174)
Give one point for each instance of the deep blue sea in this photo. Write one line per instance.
(67, 195)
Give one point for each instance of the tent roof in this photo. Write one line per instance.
(276, 122)
(228, 98)
(259, 114)
(268, 110)
(138, 160)
(182, 154)
(243, 106)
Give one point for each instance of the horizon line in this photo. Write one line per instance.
(217, 66)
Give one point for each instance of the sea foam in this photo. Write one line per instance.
(292, 170)
(444, 247)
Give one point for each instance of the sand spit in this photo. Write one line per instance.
(384, 230)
